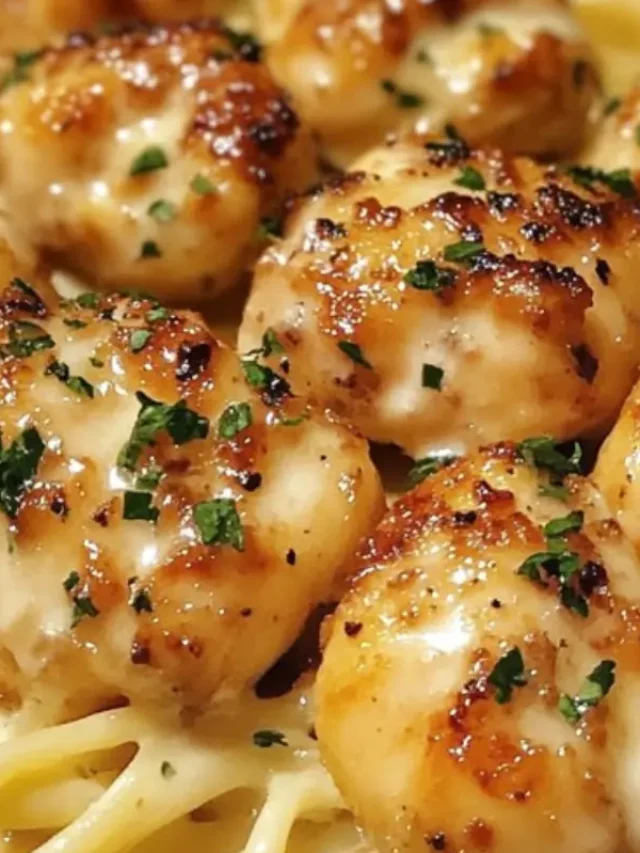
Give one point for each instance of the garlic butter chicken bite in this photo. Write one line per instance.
(480, 684)
(148, 158)
(615, 144)
(442, 298)
(159, 501)
(518, 73)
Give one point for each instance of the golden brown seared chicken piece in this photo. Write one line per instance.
(616, 144)
(443, 298)
(169, 515)
(479, 688)
(518, 73)
(617, 470)
(147, 159)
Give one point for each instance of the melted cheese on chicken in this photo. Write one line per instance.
(517, 74)
(441, 298)
(160, 500)
(448, 701)
(148, 159)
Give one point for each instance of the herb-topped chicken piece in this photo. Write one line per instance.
(169, 513)
(516, 73)
(479, 686)
(149, 158)
(442, 298)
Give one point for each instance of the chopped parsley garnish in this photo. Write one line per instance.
(470, 179)
(96, 362)
(18, 465)
(138, 507)
(426, 275)
(150, 249)
(167, 770)
(149, 160)
(618, 181)
(266, 738)
(138, 339)
(148, 479)
(270, 228)
(596, 686)
(71, 581)
(22, 61)
(507, 674)
(234, 419)
(571, 523)
(83, 606)
(74, 323)
(140, 601)
(404, 99)
(432, 376)
(270, 345)
(201, 185)
(219, 523)
(354, 352)
(76, 383)
(246, 45)
(181, 423)
(463, 251)
(556, 457)
(429, 465)
(154, 315)
(162, 210)
(559, 562)
(25, 338)
(273, 386)
(88, 300)
(611, 106)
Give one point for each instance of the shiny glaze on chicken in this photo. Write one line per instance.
(160, 501)
(149, 158)
(449, 705)
(442, 298)
(517, 74)
(615, 144)
(617, 470)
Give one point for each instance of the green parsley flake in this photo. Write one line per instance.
(18, 465)
(404, 99)
(470, 179)
(88, 300)
(463, 251)
(619, 181)
(266, 738)
(234, 419)
(201, 185)
(138, 339)
(556, 491)
(219, 523)
(74, 323)
(273, 386)
(612, 105)
(148, 479)
(182, 425)
(150, 249)
(83, 606)
(162, 210)
(167, 770)
(432, 376)
(270, 228)
(137, 506)
(71, 581)
(354, 352)
(596, 686)
(545, 453)
(429, 465)
(571, 523)
(22, 61)
(76, 383)
(140, 601)
(507, 674)
(155, 315)
(426, 275)
(27, 338)
(149, 160)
